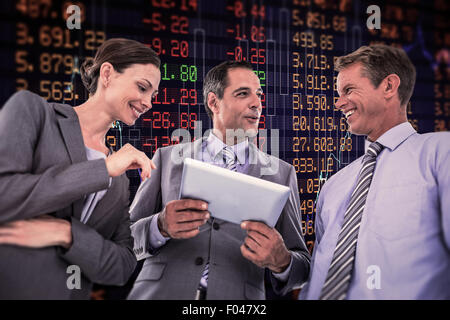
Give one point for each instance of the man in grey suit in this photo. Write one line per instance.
(190, 255)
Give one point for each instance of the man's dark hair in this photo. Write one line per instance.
(216, 80)
(379, 61)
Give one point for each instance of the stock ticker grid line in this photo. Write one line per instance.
(292, 46)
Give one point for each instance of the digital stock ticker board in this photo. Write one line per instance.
(292, 46)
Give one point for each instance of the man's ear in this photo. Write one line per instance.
(391, 84)
(213, 102)
(106, 71)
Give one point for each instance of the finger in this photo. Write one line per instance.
(15, 239)
(152, 165)
(144, 164)
(257, 237)
(133, 166)
(148, 164)
(188, 226)
(186, 234)
(6, 231)
(16, 226)
(252, 245)
(144, 176)
(184, 204)
(7, 239)
(186, 216)
(140, 161)
(248, 254)
(259, 227)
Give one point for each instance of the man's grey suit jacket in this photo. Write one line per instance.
(44, 170)
(174, 270)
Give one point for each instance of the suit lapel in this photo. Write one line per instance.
(73, 139)
(257, 160)
(104, 206)
(108, 202)
(71, 132)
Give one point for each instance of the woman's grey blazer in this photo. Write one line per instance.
(44, 170)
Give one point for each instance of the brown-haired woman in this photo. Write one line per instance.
(64, 220)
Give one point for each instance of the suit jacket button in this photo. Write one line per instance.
(216, 226)
(199, 261)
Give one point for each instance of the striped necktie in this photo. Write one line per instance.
(229, 159)
(340, 270)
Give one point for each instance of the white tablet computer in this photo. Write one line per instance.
(233, 196)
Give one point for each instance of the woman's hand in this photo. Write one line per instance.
(128, 158)
(40, 232)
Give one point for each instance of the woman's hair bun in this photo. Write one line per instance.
(86, 74)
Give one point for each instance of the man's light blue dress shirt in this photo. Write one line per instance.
(403, 249)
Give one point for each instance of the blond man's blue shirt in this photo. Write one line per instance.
(403, 248)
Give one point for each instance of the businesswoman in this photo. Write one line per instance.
(64, 220)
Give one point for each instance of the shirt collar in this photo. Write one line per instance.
(392, 138)
(215, 146)
(92, 154)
